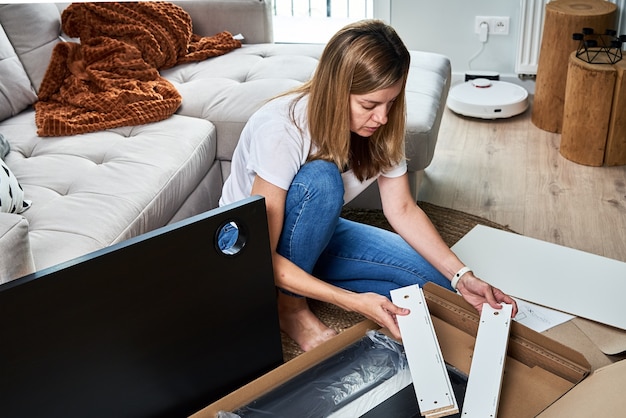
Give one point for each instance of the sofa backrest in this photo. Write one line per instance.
(16, 91)
(251, 18)
(28, 32)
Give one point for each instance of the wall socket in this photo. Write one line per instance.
(498, 25)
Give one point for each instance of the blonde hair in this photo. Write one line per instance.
(361, 58)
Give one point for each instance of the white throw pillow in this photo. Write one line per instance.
(11, 193)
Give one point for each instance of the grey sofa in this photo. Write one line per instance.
(92, 190)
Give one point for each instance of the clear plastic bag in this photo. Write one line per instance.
(333, 383)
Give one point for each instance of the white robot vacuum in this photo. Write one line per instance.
(487, 99)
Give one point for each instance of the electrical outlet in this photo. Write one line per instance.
(498, 25)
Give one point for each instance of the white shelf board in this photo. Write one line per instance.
(569, 280)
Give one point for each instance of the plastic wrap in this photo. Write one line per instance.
(403, 403)
(225, 414)
(334, 383)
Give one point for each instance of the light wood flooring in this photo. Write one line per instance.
(510, 172)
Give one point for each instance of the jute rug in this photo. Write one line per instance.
(451, 224)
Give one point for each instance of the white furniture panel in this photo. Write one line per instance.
(569, 280)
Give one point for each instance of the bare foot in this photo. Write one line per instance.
(297, 321)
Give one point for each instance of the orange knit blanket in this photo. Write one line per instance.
(111, 78)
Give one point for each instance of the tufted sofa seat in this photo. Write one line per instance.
(235, 85)
(93, 190)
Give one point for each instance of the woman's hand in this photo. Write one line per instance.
(476, 292)
(379, 309)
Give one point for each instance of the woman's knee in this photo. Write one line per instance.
(321, 179)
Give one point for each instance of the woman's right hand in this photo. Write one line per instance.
(379, 309)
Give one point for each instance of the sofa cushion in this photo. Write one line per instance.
(16, 92)
(93, 190)
(250, 18)
(33, 29)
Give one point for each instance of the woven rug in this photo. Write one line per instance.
(451, 224)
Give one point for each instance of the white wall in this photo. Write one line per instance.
(447, 27)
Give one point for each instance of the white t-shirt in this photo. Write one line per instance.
(272, 147)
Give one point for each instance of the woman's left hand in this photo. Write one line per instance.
(476, 292)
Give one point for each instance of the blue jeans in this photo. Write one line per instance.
(347, 254)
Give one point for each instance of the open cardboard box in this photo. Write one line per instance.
(542, 377)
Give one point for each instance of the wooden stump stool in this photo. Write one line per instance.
(563, 18)
(587, 111)
(615, 153)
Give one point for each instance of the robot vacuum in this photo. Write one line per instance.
(487, 99)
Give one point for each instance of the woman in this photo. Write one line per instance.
(319, 145)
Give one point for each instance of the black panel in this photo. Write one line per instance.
(160, 325)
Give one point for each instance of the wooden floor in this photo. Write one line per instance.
(509, 171)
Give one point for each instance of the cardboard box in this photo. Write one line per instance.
(599, 395)
(538, 372)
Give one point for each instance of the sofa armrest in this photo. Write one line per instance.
(251, 18)
(16, 259)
